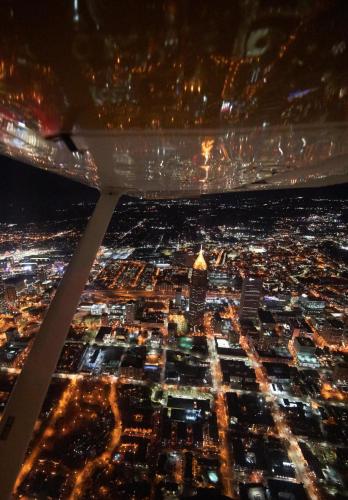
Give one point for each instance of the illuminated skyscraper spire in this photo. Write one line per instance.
(198, 290)
(200, 262)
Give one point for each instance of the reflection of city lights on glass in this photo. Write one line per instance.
(76, 11)
(207, 146)
(206, 168)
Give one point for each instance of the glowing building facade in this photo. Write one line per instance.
(199, 284)
(250, 300)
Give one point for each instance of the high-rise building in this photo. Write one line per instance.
(198, 290)
(172, 331)
(178, 297)
(130, 312)
(250, 300)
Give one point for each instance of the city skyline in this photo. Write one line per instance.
(174, 250)
(119, 336)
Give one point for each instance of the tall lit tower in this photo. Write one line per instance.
(250, 300)
(199, 284)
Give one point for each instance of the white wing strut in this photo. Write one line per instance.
(28, 394)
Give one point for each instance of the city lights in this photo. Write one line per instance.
(174, 323)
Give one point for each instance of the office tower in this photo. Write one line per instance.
(130, 313)
(172, 331)
(250, 299)
(178, 297)
(198, 290)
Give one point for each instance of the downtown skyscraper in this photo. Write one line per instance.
(250, 299)
(198, 290)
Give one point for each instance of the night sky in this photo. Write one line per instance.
(27, 189)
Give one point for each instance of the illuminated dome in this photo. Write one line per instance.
(200, 263)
